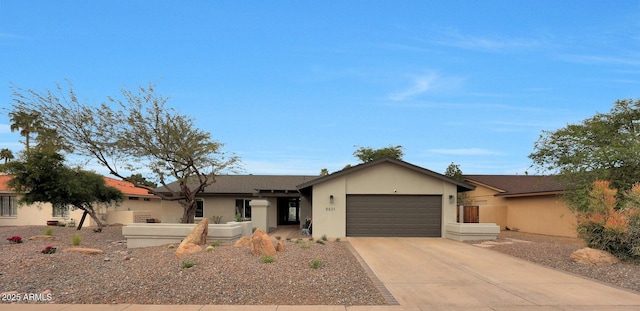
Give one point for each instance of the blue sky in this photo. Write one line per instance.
(292, 87)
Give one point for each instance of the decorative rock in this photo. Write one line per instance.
(88, 251)
(261, 244)
(198, 236)
(244, 241)
(42, 238)
(590, 256)
(279, 247)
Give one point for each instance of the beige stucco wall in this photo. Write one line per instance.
(545, 214)
(384, 178)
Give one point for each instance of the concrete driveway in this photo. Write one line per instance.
(441, 274)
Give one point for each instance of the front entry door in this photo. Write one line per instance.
(288, 211)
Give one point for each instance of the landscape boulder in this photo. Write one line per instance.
(244, 241)
(279, 247)
(261, 244)
(590, 256)
(88, 251)
(198, 236)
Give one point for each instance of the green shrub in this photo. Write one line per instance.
(298, 240)
(187, 264)
(288, 239)
(172, 246)
(324, 237)
(76, 239)
(278, 237)
(216, 243)
(268, 259)
(210, 248)
(320, 242)
(337, 239)
(305, 245)
(48, 231)
(315, 264)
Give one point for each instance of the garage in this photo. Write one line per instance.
(394, 215)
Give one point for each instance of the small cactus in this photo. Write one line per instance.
(210, 248)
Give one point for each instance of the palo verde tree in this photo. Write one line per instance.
(43, 177)
(136, 133)
(603, 147)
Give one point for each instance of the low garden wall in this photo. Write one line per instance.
(154, 234)
(471, 231)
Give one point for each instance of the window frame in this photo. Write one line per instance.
(12, 209)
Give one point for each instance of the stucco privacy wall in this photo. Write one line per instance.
(542, 214)
(383, 178)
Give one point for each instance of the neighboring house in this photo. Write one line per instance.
(385, 197)
(137, 206)
(525, 203)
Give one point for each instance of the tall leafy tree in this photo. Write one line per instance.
(137, 132)
(43, 177)
(26, 122)
(454, 171)
(367, 154)
(603, 147)
(6, 155)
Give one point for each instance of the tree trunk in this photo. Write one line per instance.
(95, 218)
(189, 213)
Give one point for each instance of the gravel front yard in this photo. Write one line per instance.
(153, 275)
(230, 275)
(554, 252)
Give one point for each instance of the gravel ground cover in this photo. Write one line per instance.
(554, 252)
(153, 275)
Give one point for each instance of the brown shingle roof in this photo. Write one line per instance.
(518, 185)
(248, 184)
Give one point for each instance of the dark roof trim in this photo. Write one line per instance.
(461, 185)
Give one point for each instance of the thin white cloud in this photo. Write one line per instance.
(484, 43)
(426, 83)
(599, 59)
(419, 85)
(464, 151)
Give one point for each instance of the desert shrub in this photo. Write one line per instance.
(210, 248)
(315, 264)
(216, 219)
(76, 239)
(187, 264)
(48, 250)
(268, 259)
(305, 245)
(48, 231)
(337, 239)
(298, 240)
(216, 243)
(278, 237)
(172, 246)
(610, 225)
(320, 242)
(324, 237)
(15, 239)
(288, 239)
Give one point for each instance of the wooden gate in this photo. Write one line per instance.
(471, 214)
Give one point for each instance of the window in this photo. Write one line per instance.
(8, 206)
(60, 210)
(199, 208)
(243, 208)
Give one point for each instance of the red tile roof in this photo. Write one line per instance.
(4, 179)
(125, 187)
(518, 185)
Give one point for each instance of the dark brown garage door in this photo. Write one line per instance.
(394, 215)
